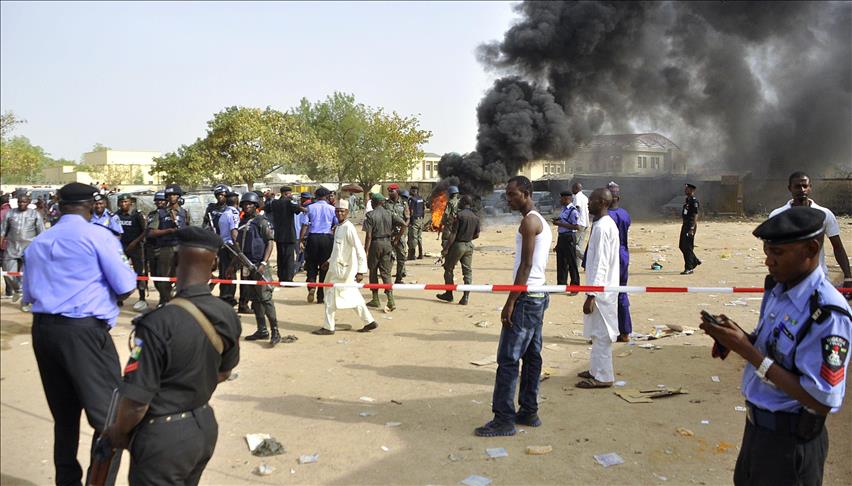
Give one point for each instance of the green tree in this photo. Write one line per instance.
(8, 120)
(189, 165)
(99, 147)
(368, 145)
(21, 161)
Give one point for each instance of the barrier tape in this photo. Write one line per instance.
(627, 289)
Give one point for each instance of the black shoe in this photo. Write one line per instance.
(495, 429)
(258, 335)
(275, 338)
(244, 309)
(322, 332)
(687, 272)
(464, 299)
(446, 296)
(528, 419)
(369, 327)
(697, 262)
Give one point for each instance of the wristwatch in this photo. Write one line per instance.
(263, 263)
(763, 368)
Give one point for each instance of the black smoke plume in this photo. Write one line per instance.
(761, 86)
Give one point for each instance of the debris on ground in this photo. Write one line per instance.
(552, 347)
(482, 324)
(484, 361)
(309, 459)
(367, 414)
(474, 480)
(393, 424)
(496, 452)
(609, 459)
(546, 373)
(646, 396)
(536, 450)
(290, 338)
(740, 408)
(254, 440)
(715, 379)
(367, 399)
(264, 470)
(233, 376)
(268, 447)
(385, 448)
(397, 402)
(684, 432)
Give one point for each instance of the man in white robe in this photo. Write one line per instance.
(346, 265)
(600, 322)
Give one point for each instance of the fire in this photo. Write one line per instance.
(439, 204)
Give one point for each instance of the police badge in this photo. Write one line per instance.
(834, 351)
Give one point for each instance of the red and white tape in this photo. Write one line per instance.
(488, 288)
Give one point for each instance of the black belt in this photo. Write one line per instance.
(462, 241)
(787, 423)
(162, 419)
(59, 319)
(380, 237)
(319, 234)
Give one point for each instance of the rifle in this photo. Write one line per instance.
(242, 259)
(104, 466)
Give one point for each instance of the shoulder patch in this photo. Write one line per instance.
(834, 352)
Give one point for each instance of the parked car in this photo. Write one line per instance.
(495, 203)
(543, 201)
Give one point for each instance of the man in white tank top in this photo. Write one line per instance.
(600, 322)
(522, 317)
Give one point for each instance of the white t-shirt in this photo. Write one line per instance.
(582, 203)
(540, 252)
(830, 226)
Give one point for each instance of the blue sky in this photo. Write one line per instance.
(147, 76)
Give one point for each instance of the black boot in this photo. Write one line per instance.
(261, 333)
(275, 338)
(446, 296)
(464, 298)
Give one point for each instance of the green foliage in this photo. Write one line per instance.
(8, 120)
(20, 161)
(99, 147)
(368, 145)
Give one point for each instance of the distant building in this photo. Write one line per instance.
(426, 170)
(115, 167)
(638, 154)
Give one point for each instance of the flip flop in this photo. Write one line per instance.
(593, 383)
(585, 374)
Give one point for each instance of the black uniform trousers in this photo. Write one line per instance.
(776, 458)
(686, 244)
(175, 451)
(79, 370)
(286, 260)
(566, 260)
(226, 291)
(166, 265)
(138, 263)
(318, 248)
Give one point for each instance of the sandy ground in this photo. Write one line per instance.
(417, 369)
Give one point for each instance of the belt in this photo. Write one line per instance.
(804, 425)
(380, 237)
(319, 234)
(163, 419)
(59, 319)
(463, 241)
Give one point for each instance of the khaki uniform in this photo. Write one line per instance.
(380, 224)
(447, 219)
(400, 249)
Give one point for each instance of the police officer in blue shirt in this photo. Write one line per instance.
(104, 217)
(228, 222)
(76, 272)
(796, 357)
(566, 251)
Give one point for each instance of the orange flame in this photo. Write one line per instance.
(439, 204)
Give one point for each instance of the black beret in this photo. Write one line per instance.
(322, 192)
(795, 224)
(286, 189)
(691, 186)
(566, 193)
(198, 237)
(76, 192)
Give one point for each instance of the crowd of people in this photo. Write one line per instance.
(240, 233)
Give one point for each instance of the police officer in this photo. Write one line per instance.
(317, 239)
(75, 273)
(152, 251)
(687, 230)
(256, 242)
(103, 216)
(465, 229)
(417, 210)
(380, 226)
(133, 232)
(449, 214)
(181, 352)
(163, 226)
(796, 357)
(228, 222)
(399, 207)
(214, 210)
(283, 212)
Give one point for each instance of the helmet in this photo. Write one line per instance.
(160, 196)
(173, 189)
(404, 194)
(452, 190)
(122, 197)
(221, 189)
(250, 197)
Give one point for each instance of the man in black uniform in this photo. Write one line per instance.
(133, 224)
(256, 242)
(464, 229)
(417, 209)
(687, 230)
(214, 210)
(152, 251)
(181, 352)
(282, 211)
(163, 227)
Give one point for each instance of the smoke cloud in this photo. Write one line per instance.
(759, 86)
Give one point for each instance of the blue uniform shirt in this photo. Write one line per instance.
(108, 220)
(76, 270)
(321, 217)
(569, 215)
(821, 357)
(229, 220)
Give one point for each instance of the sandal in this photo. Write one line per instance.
(593, 383)
(585, 374)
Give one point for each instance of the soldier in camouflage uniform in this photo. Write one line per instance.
(379, 226)
(449, 215)
(399, 207)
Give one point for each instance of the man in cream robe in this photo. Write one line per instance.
(346, 265)
(600, 322)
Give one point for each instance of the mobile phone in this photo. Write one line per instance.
(710, 318)
(718, 350)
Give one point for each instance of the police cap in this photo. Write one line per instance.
(160, 196)
(250, 197)
(173, 189)
(795, 224)
(404, 194)
(691, 186)
(197, 237)
(76, 192)
(123, 196)
(305, 195)
(566, 193)
(99, 197)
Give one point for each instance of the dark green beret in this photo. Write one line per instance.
(798, 223)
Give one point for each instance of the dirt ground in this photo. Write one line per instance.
(336, 395)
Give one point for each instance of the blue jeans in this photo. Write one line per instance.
(522, 341)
